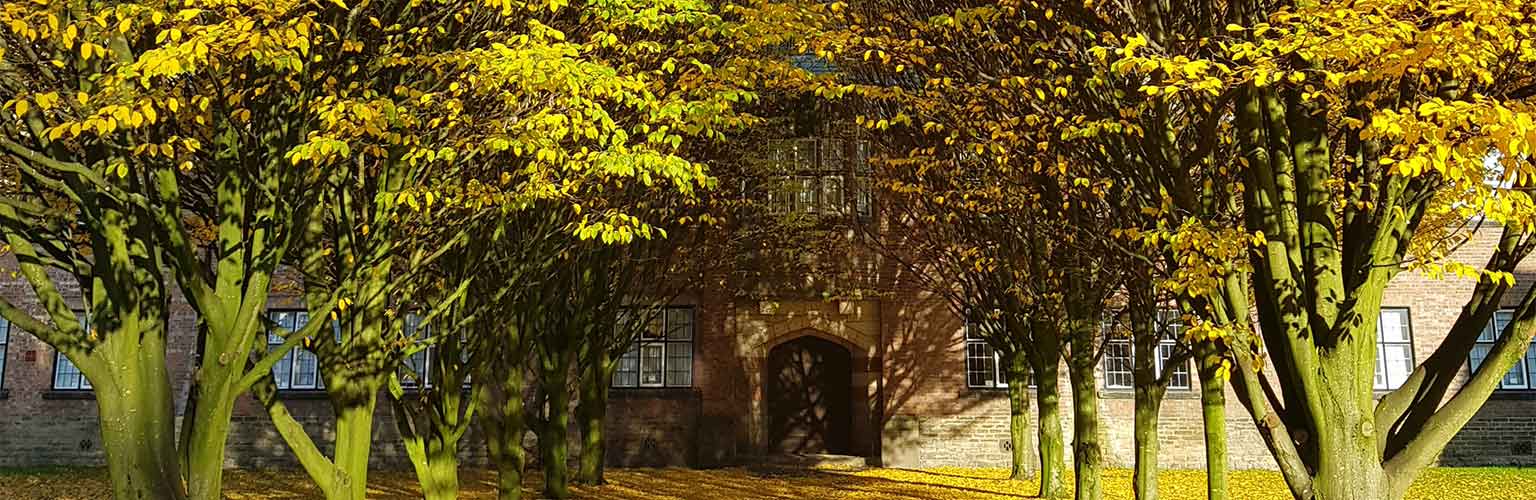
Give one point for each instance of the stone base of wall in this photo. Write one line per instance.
(652, 428)
(51, 440)
(667, 429)
(1502, 434)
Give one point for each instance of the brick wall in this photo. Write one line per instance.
(919, 412)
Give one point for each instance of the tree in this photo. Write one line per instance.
(968, 245)
(1360, 135)
(128, 119)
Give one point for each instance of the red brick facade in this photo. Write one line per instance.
(908, 403)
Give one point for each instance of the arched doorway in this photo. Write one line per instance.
(808, 389)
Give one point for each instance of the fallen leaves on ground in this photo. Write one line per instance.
(776, 484)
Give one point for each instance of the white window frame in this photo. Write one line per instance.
(412, 376)
(291, 358)
(672, 335)
(5, 345)
(62, 366)
(974, 342)
(1384, 379)
(1166, 345)
(1484, 344)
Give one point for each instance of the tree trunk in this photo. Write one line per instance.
(441, 478)
(1048, 396)
(1213, 405)
(1149, 400)
(1348, 468)
(1087, 453)
(590, 412)
(210, 421)
(354, 440)
(138, 428)
(504, 427)
(1018, 416)
(553, 434)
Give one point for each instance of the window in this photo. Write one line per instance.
(983, 366)
(1394, 349)
(1117, 365)
(5, 343)
(300, 368)
(67, 376)
(1119, 356)
(663, 355)
(1521, 374)
(817, 178)
(418, 366)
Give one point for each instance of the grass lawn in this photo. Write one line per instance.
(874, 484)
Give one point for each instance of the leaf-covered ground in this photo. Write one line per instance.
(875, 484)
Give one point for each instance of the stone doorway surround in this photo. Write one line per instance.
(852, 324)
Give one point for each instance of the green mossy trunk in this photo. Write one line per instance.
(1018, 416)
(440, 478)
(1349, 461)
(554, 451)
(1144, 477)
(1052, 445)
(138, 427)
(505, 424)
(205, 445)
(1087, 452)
(354, 441)
(1213, 410)
(591, 410)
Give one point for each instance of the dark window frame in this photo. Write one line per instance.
(666, 343)
(808, 179)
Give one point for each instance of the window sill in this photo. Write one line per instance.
(1513, 395)
(653, 393)
(67, 394)
(1170, 393)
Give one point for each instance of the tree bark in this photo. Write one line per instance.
(1213, 406)
(354, 441)
(1045, 361)
(1144, 477)
(440, 479)
(138, 428)
(505, 424)
(553, 431)
(1018, 416)
(1150, 385)
(591, 409)
(1087, 452)
(210, 421)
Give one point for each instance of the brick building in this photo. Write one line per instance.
(891, 377)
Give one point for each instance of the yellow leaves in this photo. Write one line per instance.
(173, 34)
